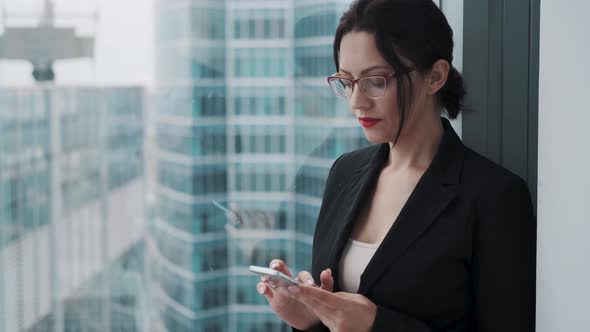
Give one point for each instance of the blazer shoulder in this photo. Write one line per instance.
(355, 159)
(487, 175)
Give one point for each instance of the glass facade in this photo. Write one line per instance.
(71, 174)
(242, 130)
(240, 88)
(110, 225)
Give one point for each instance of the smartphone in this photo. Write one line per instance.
(277, 277)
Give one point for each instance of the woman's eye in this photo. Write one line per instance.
(376, 84)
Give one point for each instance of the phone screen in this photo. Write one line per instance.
(277, 277)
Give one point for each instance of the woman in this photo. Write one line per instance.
(416, 232)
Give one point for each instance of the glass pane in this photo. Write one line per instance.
(143, 172)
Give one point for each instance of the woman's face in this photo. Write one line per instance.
(359, 57)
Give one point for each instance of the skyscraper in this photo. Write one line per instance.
(71, 207)
(245, 121)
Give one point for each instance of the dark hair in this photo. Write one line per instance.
(414, 29)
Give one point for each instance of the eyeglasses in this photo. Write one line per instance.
(372, 87)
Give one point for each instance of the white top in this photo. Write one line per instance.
(355, 258)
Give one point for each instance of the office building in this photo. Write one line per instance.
(71, 208)
(244, 120)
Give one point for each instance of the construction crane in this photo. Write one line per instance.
(44, 44)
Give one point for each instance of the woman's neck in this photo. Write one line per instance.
(416, 148)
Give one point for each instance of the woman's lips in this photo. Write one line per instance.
(368, 122)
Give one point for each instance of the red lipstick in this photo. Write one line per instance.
(368, 122)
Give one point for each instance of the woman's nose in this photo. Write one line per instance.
(358, 100)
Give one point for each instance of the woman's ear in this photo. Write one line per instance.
(438, 76)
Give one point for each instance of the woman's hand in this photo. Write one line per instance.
(286, 307)
(340, 312)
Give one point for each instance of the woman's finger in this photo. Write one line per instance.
(327, 281)
(265, 289)
(305, 278)
(279, 265)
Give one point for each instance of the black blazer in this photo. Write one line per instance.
(459, 257)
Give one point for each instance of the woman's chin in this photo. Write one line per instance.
(375, 139)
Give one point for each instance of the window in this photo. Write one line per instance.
(259, 23)
(313, 61)
(145, 147)
(252, 177)
(260, 62)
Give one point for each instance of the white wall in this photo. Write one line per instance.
(563, 266)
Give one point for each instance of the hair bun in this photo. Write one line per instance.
(452, 93)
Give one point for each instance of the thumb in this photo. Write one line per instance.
(327, 281)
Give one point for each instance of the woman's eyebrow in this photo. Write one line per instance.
(365, 70)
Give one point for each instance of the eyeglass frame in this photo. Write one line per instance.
(355, 81)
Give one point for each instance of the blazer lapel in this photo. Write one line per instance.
(432, 194)
(360, 185)
(426, 202)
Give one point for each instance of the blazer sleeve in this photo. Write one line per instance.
(391, 320)
(503, 261)
(386, 320)
(328, 190)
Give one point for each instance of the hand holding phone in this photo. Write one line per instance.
(288, 309)
(278, 278)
